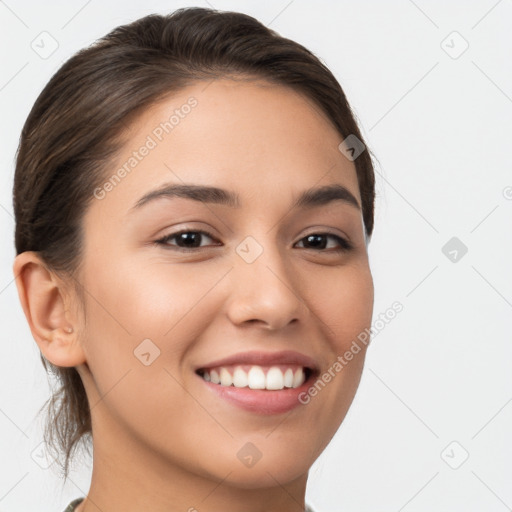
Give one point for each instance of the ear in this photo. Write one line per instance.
(46, 304)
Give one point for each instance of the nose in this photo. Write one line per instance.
(265, 291)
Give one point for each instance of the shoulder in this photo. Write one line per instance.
(71, 507)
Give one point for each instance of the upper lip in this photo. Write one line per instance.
(264, 359)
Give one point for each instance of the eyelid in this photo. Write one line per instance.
(344, 242)
(162, 240)
(328, 231)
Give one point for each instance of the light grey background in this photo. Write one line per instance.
(437, 385)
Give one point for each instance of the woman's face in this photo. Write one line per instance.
(270, 284)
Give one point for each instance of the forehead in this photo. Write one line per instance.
(267, 142)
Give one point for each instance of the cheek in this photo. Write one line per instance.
(131, 313)
(147, 299)
(126, 304)
(344, 303)
(345, 306)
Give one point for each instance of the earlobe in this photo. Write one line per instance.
(43, 300)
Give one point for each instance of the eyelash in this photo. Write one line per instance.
(345, 245)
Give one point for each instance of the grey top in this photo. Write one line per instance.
(71, 507)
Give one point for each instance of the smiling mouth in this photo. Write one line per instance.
(270, 378)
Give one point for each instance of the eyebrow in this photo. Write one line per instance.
(310, 198)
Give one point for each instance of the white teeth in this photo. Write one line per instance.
(256, 378)
(288, 378)
(240, 379)
(225, 377)
(298, 377)
(275, 379)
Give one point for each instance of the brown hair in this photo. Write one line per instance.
(74, 128)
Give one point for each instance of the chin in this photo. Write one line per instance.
(266, 475)
(270, 465)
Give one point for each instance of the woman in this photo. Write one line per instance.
(193, 203)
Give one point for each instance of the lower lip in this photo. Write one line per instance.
(260, 401)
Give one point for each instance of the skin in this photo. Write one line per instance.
(162, 441)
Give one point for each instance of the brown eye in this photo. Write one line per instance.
(318, 241)
(185, 239)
